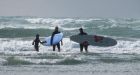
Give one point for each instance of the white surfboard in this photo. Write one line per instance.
(56, 39)
(94, 40)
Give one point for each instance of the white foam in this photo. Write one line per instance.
(23, 50)
(122, 47)
(18, 46)
(49, 21)
(64, 28)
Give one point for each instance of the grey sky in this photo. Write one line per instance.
(71, 8)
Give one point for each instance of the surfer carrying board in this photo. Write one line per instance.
(85, 43)
(36, 42)
(56, 31)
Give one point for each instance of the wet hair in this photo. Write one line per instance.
(80, 28)
(37, 35)
(56, 27)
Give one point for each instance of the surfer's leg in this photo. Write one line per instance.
(53, 47)
(36, 48)
(81, 48)
(58, 46)
(86, 48)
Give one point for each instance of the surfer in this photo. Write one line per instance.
(56, 31)
(36, 42)
(84, 44)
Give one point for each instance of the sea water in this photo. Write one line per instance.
(18, 57)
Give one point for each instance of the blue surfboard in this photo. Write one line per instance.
(56, 39)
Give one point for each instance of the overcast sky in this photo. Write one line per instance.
(71, 8)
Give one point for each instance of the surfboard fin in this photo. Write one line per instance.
(98, 38)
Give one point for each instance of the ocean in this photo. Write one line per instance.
(18, 57)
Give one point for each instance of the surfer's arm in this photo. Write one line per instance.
(40, 42)
(61, 42)
(33, 42)
(52, 39)
(85, 33)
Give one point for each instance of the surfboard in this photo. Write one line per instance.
(94, 40)
(56, 39)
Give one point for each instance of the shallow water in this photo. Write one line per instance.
(18, 57)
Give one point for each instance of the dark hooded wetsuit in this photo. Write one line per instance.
(58, 44)
(36, 44)
(83, 45)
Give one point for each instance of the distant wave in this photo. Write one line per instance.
(57, 21)
(67, 23)
(71, 59)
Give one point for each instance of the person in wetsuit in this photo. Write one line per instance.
(84, 44)
(36, 42)
(56, 31)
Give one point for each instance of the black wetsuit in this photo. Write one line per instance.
(83, 45)
(36, 43)
(58, 44)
